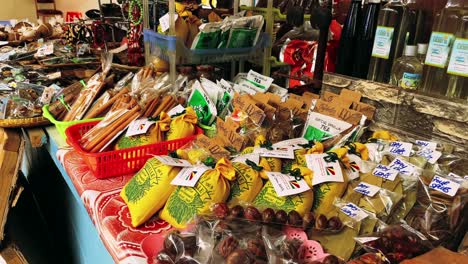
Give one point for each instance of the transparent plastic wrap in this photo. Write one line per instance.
(12, 108)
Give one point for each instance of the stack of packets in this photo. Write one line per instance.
(307, 154)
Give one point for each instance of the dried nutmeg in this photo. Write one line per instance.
(221, 210)
(334, 223)
(281, 217)
(237, 212)
(294, 218)
(164, 258)
(308, 221)
(321, 222)
(227, 246)
(252, 213)
(257, 248)
(239, 256)
(268, 215)
(173, 244)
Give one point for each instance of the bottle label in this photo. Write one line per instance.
(439, 49)
(383, 42)
(410, 80)
(458, 64)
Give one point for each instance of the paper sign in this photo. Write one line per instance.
(170, 161)
(280, 152)
(355, 167)
(291, 143)
(176, 110)
(385, 172)
(261, 81)
(189, 176)
(367, 189)
(431, 155)
(426, 144)
(354, 212)
(164, 22)
(444, 185)
(328, 125)
(254, 157)
(323, 171)
(400, 148)
(138, 127)
(402, 167)
(286, 185)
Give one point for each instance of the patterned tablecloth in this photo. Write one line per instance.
(110, 214)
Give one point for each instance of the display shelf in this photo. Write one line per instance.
(276, 13)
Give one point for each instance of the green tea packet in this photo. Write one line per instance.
(319, 127)
(209, 36)
(226, 98)
(202, 104)
(245, 32)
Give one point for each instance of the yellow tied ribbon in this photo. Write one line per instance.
(224, 168)
(361, 149)
(306, 173)
(318, 148)
(164, 122)
(342, 155)
(384, 135)
(190, 116)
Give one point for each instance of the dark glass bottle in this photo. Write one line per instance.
(348, 45)
(365, 39)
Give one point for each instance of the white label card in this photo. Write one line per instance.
(291, 143)
(164, 22)
(176, 110)
(402, 167)
(254, 157)
(276, 152)
(426, 144)
(189, 176)
(244, 89)
(326, 123)
(355, 166)
(354, 212)
(47, 94)
(431, 155)
(385, 172)
(400, 148)
(286, 185)
(170, 161)
(323, 171)
(138, 127)
(263, 81)
(367, 189)
(444, 185)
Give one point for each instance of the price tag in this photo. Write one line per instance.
(291, 143)
(400, 148)
(431, 155)
(138, 127)
(286, 185)
(402, 167)
(385, 172)
(355, 165)
(354, 212)
(281, 152)
(170, 161)
(444, 185)
(189, 176)
(53, 76)
(261, 81)
(323, 171)
(176, 110)
(367, 189)
(164, 22)
(426, 144)
(254, 157)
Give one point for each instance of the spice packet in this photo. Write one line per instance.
(245, 32)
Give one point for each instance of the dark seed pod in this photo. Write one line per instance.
(281, 217)
(294, 218)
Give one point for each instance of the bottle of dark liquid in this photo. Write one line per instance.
(348, 39)
(416, 23)
(365, 39)
(389, 41)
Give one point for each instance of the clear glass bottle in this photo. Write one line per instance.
(407, 70)
(422, 51)
(446, 23)
(390, 38)
(457, 69)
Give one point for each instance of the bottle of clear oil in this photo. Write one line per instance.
(407, 70)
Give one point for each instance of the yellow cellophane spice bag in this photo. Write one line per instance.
(302, 202)
(247, 185)
(268, 163)
(154, 135)
(183, 125)
(147, 192)
(186, 202)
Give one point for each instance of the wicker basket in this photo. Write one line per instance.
(24, 122)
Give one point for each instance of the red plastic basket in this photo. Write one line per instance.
(120, 162)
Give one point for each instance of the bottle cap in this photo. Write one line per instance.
(410, 50)
(422, 48)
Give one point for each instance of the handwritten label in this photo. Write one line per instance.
(189, 176)
(431, 155)
(164, 22)
(138, 127)
(291, 143)
(354, 212)
(176, 110)
(286, 185)
(243, 158)
(264, 82)
(276, 152)
(444, 185)
(385, 172)
(402, 167)
(426, 144)
(324, 171)
(400, 148)
(170, 161)
(367, 189)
